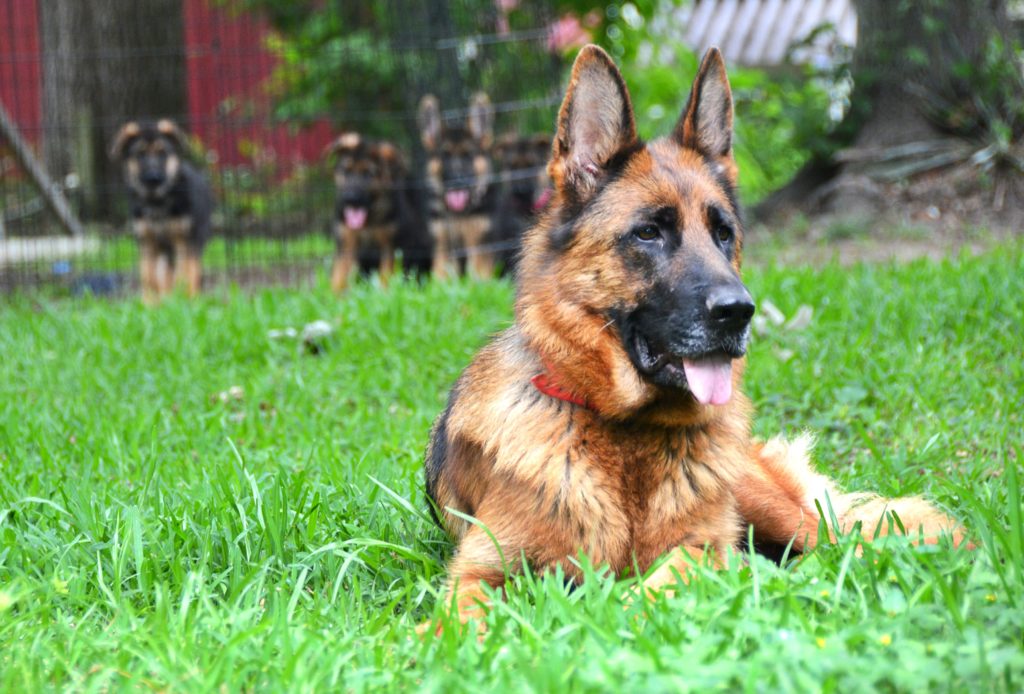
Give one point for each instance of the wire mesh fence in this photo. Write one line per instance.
(261, 88)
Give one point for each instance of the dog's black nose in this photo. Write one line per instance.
(730, 306)
(152, 178)
(355, 198)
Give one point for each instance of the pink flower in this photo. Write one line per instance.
(567, 33)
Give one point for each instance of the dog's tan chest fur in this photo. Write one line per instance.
(624, 494)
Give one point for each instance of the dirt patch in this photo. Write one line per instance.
(935, 215)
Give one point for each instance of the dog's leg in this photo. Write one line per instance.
(439, 266)
(477, 562)
(344, 258)
(779, 489)
(193, 271)
(387, 259)
(679, 562)
(479, 261)
(179, 271)
(163, 273)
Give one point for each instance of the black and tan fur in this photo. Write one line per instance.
(630, 298)
(524, 188)
(459, 188)
(370, 180)
(171, 205)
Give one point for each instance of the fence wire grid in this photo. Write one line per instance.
(261, 87)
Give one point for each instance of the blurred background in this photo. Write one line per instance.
(852, 115)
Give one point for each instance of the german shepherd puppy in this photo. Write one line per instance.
(609, 418)
(369, 177)
(171, 204)
(521, 166)
(458, 182)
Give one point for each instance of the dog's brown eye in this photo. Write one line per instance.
(647, 232)
(723, 233)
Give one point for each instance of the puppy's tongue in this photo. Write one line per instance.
(542, 200)
(710, 379)
(456, 200)
(355, 217)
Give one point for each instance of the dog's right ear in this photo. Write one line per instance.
(428, 118)
(125, 136)
(595, 123)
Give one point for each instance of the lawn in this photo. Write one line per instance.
(188, 504)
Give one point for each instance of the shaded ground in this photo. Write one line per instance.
(932, 215)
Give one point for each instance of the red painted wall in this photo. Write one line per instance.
(227, 65)
(20, 65)
(228, 106)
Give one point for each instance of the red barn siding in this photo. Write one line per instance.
(227, 63)
(228, 106)
(20, 81)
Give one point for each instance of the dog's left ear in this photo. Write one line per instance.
(391, 158)
(125, 136)
(481, 120)
(349, 140)
(595, 123)
(170, 130)
(706, 123)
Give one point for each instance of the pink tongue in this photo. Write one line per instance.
(456, 200)
(355, 217)
(542, 200)
(710, 379)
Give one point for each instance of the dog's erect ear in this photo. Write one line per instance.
(706, 123)
(388, 152)
(125, 136)
(595, 123)
(390, 157)
(480, 121)
(342, 142)
(428, 118)
(170, 130)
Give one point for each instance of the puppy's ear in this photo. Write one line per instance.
(390, 157)
(595, 123)
(124, 138)
(706, 122)
(344, 141)
(428, 119)
(480, 121)
(170, 130)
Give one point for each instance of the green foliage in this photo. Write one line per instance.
(262, 194)
(189, 504)
(329, 60)
(983, 101)
(365, 65)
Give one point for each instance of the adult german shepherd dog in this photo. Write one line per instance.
(460, 194)
(369, 178)
(171, 204)
(609, 418)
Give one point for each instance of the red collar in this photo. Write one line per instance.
(547, 382)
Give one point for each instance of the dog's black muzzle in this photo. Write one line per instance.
(152, 177)
(692, 321)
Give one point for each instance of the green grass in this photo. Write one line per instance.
(155, 534)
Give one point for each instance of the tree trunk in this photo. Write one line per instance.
(905, 69)
(106, 62)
